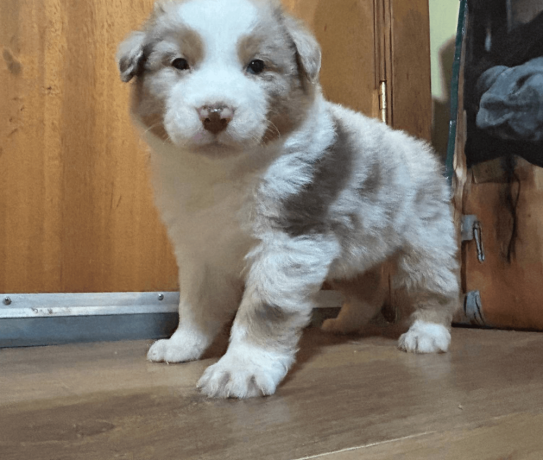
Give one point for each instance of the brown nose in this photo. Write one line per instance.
(215, 118)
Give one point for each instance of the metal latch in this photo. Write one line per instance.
(472, 230)
(473, 308)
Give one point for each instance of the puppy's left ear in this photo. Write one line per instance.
(130, 56)
(307, 47)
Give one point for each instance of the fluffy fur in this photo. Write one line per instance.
(268, 190)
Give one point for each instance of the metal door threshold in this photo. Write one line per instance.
(52, 319)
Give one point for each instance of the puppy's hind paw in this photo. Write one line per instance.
(423, 337)
(331, 325)
(341, 326)
(335, 326)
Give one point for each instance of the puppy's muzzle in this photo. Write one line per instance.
(215, 118)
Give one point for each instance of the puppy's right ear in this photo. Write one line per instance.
(308, 50)
(130, 55)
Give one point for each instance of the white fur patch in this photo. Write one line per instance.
(423, 337)
(220, 27)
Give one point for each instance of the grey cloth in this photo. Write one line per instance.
(511, 105)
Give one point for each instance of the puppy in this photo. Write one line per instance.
(267, 190)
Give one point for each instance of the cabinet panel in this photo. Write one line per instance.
(499, 179)
(409, 75)
(346, 32)
(76, 209)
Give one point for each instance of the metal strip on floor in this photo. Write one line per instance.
(47, 319)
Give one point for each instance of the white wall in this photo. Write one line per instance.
(443, 23)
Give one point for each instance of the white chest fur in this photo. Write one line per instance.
(203, 203)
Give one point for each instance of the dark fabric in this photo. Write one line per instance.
(484, 147)
(511, 101)
(509, 50)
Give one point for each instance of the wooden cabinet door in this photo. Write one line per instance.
(409, 71)
(500, 202)
(348, 34)
(76, 211)
(366, 42)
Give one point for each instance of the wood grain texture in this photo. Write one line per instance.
(346, 32)
(509, 280)
(76, 210)
(481, 401)
(510, 437)
(460, 173)
(410, 75)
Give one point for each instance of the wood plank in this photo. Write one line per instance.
(410, 74)
(516, 436)
(509, 279)
(105, 401)
(76, 212)
(346, 32)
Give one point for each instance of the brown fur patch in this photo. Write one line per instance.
(149, 110)
(283, 79)
(249, 47)
(433, 308)
(172, 43)
(307, 212)
(192, 46)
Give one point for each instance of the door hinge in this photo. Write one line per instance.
(383, 106)
(472, 230)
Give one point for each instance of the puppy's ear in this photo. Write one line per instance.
(130, 55)
(307, 47)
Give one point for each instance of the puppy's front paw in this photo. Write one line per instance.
(423, 337)
(175, 350)
(244, 372)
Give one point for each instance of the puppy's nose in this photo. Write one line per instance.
(215, 118)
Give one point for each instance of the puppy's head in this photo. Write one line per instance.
(219, 76)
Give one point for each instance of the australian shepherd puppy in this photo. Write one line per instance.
(268, 190)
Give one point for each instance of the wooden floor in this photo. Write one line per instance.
(348, 398)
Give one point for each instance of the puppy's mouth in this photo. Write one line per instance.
(223, 142)
(214, 145)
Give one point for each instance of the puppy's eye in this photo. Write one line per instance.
(256, 66)
(180, 64)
